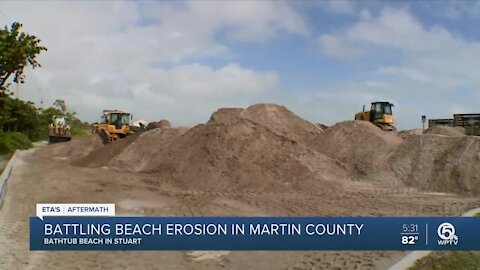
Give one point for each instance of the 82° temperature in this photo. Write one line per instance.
(409, 239)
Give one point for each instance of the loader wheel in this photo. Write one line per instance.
(382, 127)
(386, 127)
(104, 136)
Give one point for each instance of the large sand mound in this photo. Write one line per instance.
(445, 130)
(102, 156)
(246, 155)
(359, 144)
(267, 147)
(132, 152)
(410, 132)
(256, 148)
(78, 147)
(439, 163)
(149, 145)
(275, 118)
(160, 124)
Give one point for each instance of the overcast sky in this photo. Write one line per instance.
(323, 60)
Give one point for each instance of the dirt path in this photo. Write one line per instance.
(41, 176)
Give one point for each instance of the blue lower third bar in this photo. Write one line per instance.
(254, 233)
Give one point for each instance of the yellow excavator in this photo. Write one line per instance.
(380, 114)
(59, 130)
(114, 125)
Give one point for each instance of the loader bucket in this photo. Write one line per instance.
(58, 139)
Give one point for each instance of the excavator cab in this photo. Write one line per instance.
(380, 114)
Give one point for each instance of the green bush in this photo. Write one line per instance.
(11, 141)
(81, 132)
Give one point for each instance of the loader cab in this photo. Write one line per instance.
(116, 118)
(379, 109)
(59, 120)
(103, 119)
(120, 119)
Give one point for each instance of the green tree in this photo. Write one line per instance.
(21, 116)
(61, 105)
(18, 116)
(17, 51)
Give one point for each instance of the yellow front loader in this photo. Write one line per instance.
(380, 114)
(59, 130)
(113, 126)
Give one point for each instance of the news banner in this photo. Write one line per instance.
(96, 227)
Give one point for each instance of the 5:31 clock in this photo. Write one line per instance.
(410, 228)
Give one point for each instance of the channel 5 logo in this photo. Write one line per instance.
(446, 233)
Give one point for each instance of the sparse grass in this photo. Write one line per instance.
(3, 161)
(80, 129)
(11, 141)
(81, 132)
(449, 260)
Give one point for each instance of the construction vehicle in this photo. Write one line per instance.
(114, 125)
(59, 130)
(380, 114)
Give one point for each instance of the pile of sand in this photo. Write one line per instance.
(102, 156)
(438, 163)
(91, 152)
(78, 147)
(445, 130)
(132, 152)
(275, 118)
(410, 132)
(360, 145)
(160, 124)
(267, 147)
(138, 154)
(321, 126)
(256, 148)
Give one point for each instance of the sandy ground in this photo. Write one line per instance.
(40, 176)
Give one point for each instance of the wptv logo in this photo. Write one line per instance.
(446, 233)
